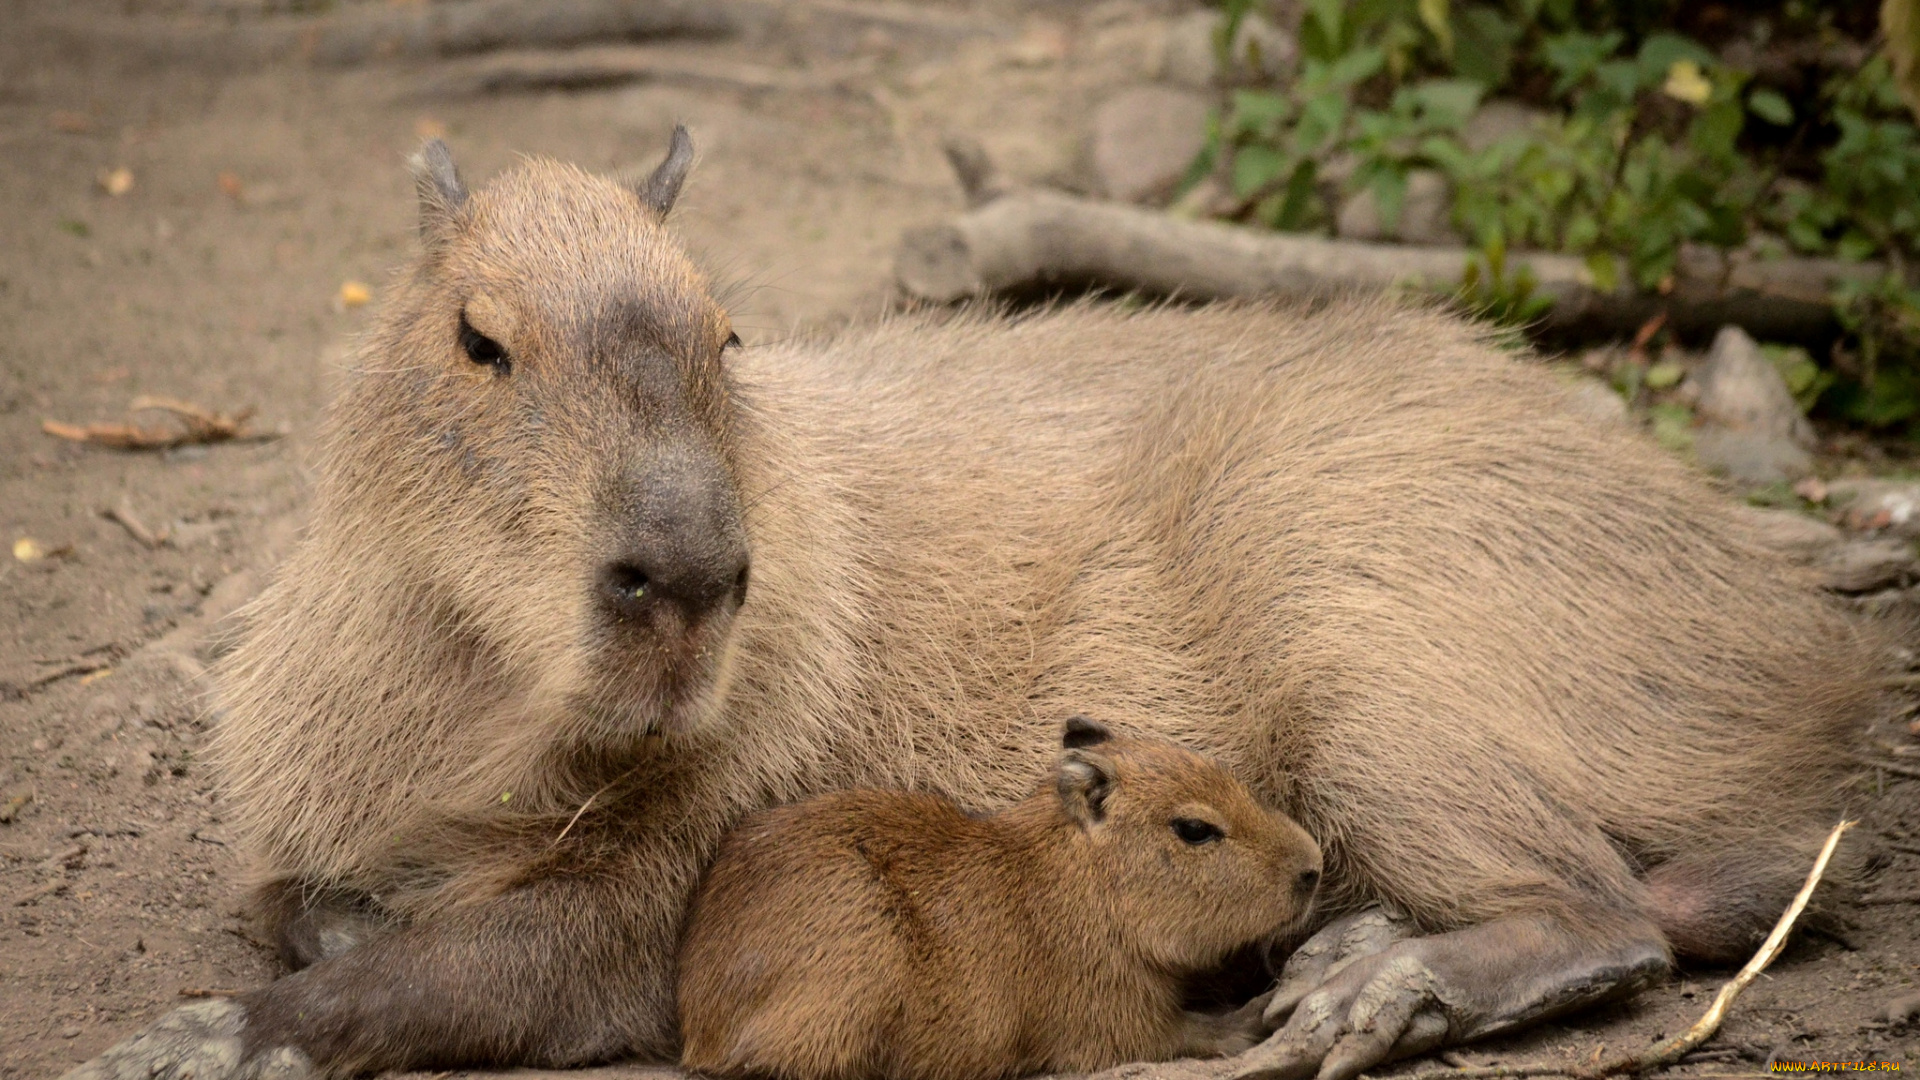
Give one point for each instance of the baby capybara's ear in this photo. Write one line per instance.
(1082, 732)
(1084, 780)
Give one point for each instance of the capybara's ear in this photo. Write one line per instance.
(663, 187)
(442, 195)
(1085, 780)
(1082, 732)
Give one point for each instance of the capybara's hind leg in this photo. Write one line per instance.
(307, 925)
(1719, 910)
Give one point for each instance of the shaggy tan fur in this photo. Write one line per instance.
(1496, 658)
(890, 936)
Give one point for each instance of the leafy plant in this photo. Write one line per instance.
(1648, 142)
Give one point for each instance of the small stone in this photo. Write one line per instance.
(69, 1032)
(1261, 51)
(1740, 389)
(1864, 565)
(1498, 119)
(1871, 505)
(1793, 533)
(1594, 400)
(1750, 457)
(1423, 213)
(1145, 139)
(1902, 1010)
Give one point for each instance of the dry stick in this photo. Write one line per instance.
(1700, 1032)
(123, 514)
(1890, 898)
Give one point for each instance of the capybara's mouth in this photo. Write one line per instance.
(664, 687)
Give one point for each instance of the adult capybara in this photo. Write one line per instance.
(585, 583)
(883, 935)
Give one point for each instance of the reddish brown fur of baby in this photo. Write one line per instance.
(872, 934)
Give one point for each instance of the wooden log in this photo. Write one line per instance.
(1038, 241)
(367, 33)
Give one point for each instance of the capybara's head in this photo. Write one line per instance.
(539, 431)
(1194, 864)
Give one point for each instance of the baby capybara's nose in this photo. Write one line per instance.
(1305, 882)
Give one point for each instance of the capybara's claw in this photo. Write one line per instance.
(1328, 952)
(198, 1042)
(1373, 1009)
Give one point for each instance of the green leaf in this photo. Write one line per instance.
(1771, 106)
(1448, 103)
(1665, 374)
(1433, 15)
(1389, 187)
(1298, 204)
(1661, 51)
(1355, 67)
(1673, 425)
(1486, 45)
(1256, 166)
(1604, 271)
(1576, 54)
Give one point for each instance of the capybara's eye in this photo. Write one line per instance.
(1196, 832)
(480, 348)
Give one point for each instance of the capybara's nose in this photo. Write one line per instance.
(1305, 882)
(682, 543)
(696, 585)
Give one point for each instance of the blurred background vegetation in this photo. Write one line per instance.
(1623, 132)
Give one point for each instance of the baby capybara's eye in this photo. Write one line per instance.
(480, 348)
(1196, 832)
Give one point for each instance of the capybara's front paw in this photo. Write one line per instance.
(198, 1042)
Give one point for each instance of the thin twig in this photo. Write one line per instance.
(123, 514)
(1702, 1030)
(1890, 898)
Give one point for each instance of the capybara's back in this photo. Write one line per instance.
(880, 935)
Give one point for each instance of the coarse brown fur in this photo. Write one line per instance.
(1494, 657)
(865, 935)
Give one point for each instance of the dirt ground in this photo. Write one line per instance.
(257, 191)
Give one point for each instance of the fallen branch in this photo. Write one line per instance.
(616, 65)
(1703, 1029)
(197, 426)
(1035, 241)
(354, 34)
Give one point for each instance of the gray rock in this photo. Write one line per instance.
(1597, 402)
(1864, 565)
(1740, 389)
(1423, 216)
(1892, 505)
(1793, 533)
(1261, 51)
(1495, 120)
(1145, 138)
(1750, 457)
